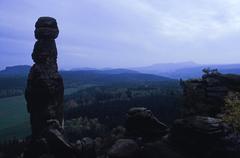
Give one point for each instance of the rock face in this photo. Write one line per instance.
(195, 136)
(205, 96)
(145, 137)
(204, 137)
(44, 95)
(44, 92)
(46, 28)
(142, 123)
(124, 148)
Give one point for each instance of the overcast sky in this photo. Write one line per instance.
(124, 33)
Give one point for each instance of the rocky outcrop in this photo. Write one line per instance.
(204, 137)
(85, 148)
(145, 137)
(191, 137)
(44, 92)
(205, 96)
(142, 123)
(124, 148)
(44, 96)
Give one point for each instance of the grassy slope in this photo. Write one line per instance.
(13, 109)
(14, 119)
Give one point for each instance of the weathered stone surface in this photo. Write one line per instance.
(200, 125)
(46, 22)
(142, 123)
(205, 96)
(44, 92)
(85, 148)
(159, 149)
(46, 28)
(44, 96)
(124, 148)
(45, 51)
(204, 137)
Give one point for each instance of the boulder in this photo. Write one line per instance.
(46, 22)
(44, 96)
(44, 50)
(159, 149)
(204, 137)
(46, 28)
(124, 148)
(142, 123)
(208, 92)
(85, 148)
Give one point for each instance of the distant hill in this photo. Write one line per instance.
(164, 67)
(186, 70)
(120, 71)
(15, 70)
(82, 68)
(13, 79)
(109, 77)
(196, 72)
(23, 70)
(106, 70)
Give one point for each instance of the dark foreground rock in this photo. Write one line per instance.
(193, 137)
(206, 96)
(44, 91)
(44, 96)
(124, 148)
(145, 137)
(204, 137)
(142, 123)
(46, 28)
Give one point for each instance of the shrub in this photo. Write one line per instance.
(232, 111)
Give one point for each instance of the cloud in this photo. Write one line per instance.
(128, 32)
(200, 19)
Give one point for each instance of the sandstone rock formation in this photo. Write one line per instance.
(44, 92)
(142, 123)
(145, 137)
(204, 137)
(205, 96)
(190, 137)
(124, 148)
(44, 95)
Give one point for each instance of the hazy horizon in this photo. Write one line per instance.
(124, 34)
(137, 67)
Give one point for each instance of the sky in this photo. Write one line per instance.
(124, 33)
